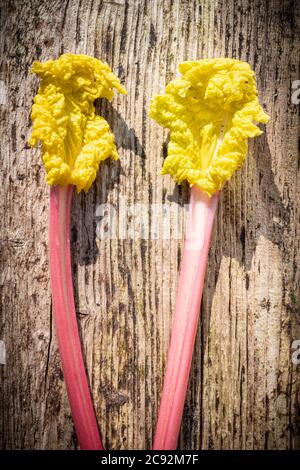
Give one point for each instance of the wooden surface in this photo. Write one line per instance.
(244, 390)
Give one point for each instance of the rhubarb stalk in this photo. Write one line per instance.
(74, 142)
(211, 112)
(184, 328)
(65, 320)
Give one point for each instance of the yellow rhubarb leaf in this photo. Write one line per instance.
(74, 139)
(211, 112)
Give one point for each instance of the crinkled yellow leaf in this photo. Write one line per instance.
(74, 139)
(211, 112)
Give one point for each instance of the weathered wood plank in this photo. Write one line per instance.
(244, 389)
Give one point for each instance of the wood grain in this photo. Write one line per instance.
(244, 389)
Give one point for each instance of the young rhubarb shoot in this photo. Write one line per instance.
(211, 112)
(74, 142)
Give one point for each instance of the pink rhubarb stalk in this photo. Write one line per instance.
(189, 293)
(65, 320)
